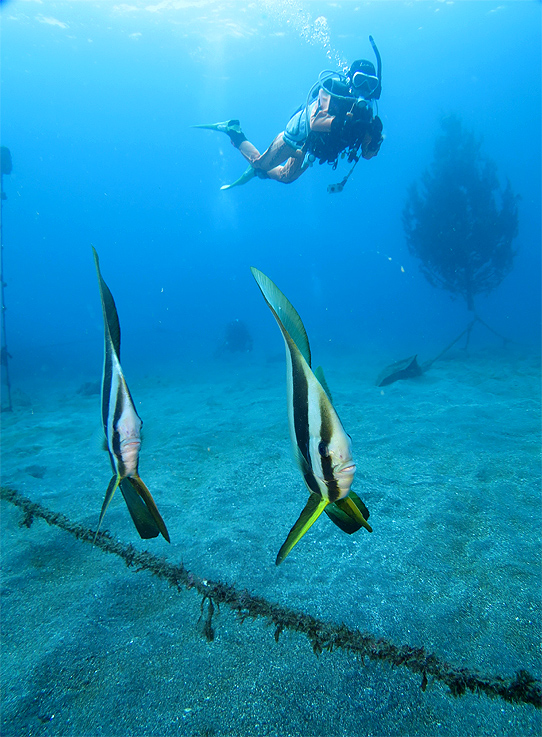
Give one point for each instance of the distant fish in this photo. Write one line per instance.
(321, 446)
(236, 339)
(122, 428)
(407, 368)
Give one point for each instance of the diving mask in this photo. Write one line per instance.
(364, 84)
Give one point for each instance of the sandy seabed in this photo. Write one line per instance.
(449, 467)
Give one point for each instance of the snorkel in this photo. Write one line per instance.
(378, 91)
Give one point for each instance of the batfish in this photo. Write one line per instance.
(321, 446)
(122, 428)
(405, 369)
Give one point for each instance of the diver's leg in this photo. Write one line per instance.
(292, 170)
(249, 151)
(277, 153)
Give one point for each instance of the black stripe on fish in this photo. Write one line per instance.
(300, 392)
(333, 491)
(326, 430)
(312, 483)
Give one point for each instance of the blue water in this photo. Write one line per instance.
(97, 103)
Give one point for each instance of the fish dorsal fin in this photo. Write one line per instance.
(284, 313)
(111, 317)
(319, 373)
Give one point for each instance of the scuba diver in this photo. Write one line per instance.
(337, 120)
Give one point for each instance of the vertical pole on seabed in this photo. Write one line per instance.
(6, 169)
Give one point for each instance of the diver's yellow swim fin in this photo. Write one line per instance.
(245, 177)
(227, 126)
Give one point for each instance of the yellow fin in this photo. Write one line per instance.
(111, 489)
(146, 515)
(313, 509)
(342, 514)
(352, 510)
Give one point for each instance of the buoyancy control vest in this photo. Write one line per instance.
(352, 120)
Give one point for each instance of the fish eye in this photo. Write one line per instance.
(323, 449)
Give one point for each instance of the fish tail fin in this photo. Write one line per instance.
(143, 509)
(313, 509)
(111, 489)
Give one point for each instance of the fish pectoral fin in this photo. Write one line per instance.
(313, 509)
(350, 514)
(111, 489)
(142, 508)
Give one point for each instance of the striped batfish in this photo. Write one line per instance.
(321, 446)
(122, 428)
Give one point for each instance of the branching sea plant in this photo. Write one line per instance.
(458, 221)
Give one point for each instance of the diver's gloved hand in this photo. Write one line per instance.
(377, 129)
(372, 140)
